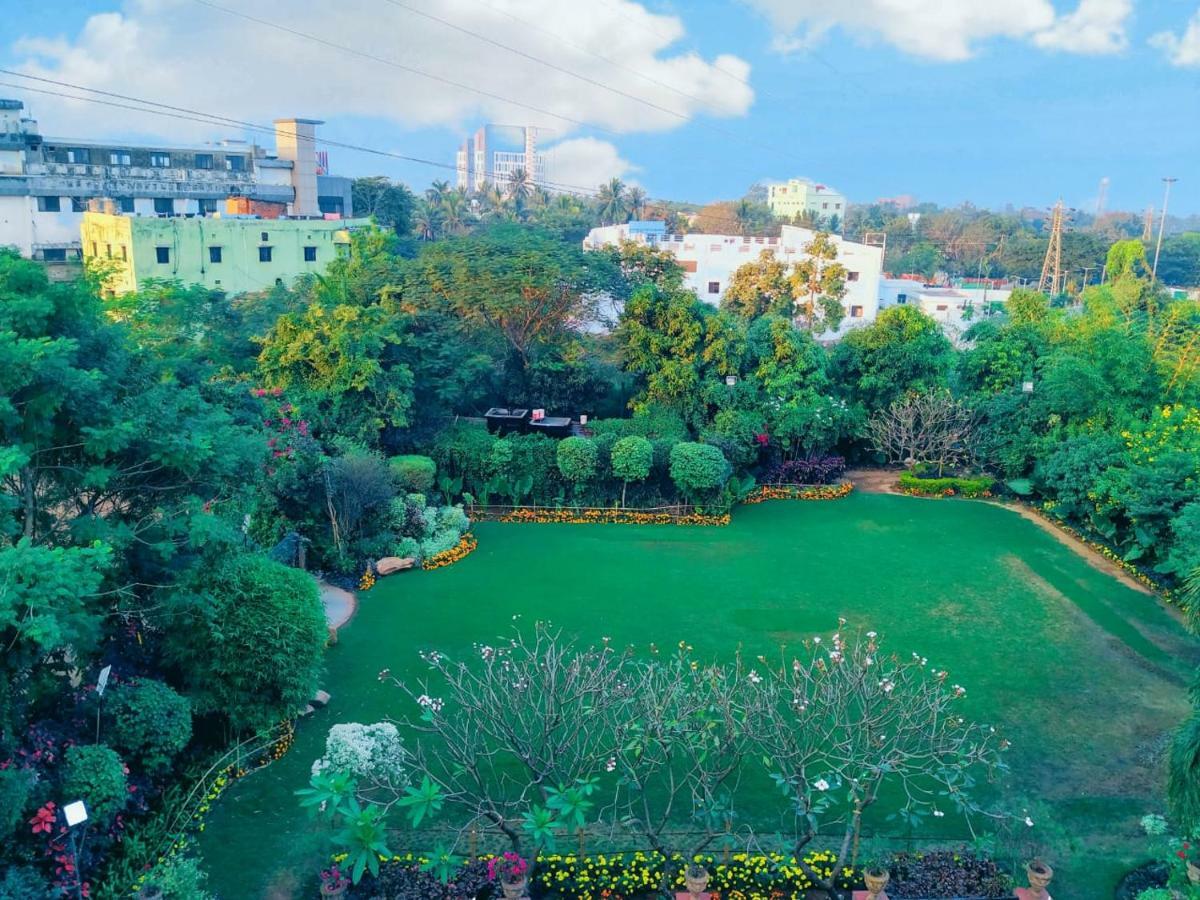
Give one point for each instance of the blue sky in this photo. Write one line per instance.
(1000, 101)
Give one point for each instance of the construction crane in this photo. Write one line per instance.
(1051, 280)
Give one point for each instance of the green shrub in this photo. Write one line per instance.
(413, 473)
(933, 487)
(698, 469)
(577, 458)
(632, 458)
(439, 542)
(150, 723)
(464, 451)
(180, 878)
(453, 517)
(24, 883)
(95, 774)
(250, 642)
(15, 786)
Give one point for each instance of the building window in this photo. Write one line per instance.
(714, 287)
(125, 204)
(164, 205)
(160, 160)
(162, 255)
(53, 254)
(941, 307)
(264, 236)
(79, 204)
(95, 252)
(204, 160)
(49, 204)
(108, 251)
(310, 254)
(902, 298)
(77, 155)
(214, 254)
(852, 276)
(119, 158)
(824, 206)
(235, 163)
(856, 312)
(205, 207)
(264, 254)
(124, 252)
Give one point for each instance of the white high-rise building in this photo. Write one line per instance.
(494, 152)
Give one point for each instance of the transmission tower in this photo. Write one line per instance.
(1148, 224)
(1052, 266)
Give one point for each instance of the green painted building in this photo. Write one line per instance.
(234, 254)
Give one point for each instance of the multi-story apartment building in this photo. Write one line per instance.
(235, 254)
(494, 152)
(799, 196)
(709, 261)
(46, 183)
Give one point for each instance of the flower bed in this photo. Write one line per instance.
(971, 488)
(799, 492)
(466, 544)
(611, 517)
(745, 876)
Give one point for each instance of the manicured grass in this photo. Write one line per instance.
(1085, 675)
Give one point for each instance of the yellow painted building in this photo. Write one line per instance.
(234, 254)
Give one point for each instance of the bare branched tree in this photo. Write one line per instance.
(932, 428)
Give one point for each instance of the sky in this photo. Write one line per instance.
(991, 102)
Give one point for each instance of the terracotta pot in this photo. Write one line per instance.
(1193, 872)
(876, 880)
(515, 890)
(1039, 875)
(696, 883)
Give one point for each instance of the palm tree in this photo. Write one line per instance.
(612, 203)
(808, 219)
(637, 202)
(455, 211)
(428, 221)
(436, 192)
(520, 188)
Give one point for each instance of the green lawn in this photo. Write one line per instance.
(1085, 675)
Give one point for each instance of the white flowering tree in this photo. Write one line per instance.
(844, 727)
(516, 736)
(679, 751)
(373, 755)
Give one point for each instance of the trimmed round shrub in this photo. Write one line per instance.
(577, 458)
(454, 518)
(698, 469)
(414, 473)
(632, 458)
(373, 754)
(150, 723)
(95, 774)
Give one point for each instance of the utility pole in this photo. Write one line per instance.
(1148, 224)
(1101, 199)
(1052, 264)
(1162, 224)
(1086, 269)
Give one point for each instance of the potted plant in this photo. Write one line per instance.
(695, 879)
(512, 871)
(1039, 874)
(333, 882)
(876, 875)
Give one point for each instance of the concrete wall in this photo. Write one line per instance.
(187, 243)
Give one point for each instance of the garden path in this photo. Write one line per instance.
(340, 604)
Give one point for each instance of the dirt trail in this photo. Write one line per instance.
(884, 481)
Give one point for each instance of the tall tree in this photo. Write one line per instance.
(390, 203)
(819, 283)
(612, 202)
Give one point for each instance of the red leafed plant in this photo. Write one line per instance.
(43, 819)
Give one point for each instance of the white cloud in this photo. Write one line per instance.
(1096, 27)
(586, 161)
(187, 54)
(950, 30)
(1181, 49)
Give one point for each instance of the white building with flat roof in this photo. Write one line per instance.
(709, 261)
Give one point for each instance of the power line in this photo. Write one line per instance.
(391, 62)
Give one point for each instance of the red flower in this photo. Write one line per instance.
(43, 819)
(1182, 854)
